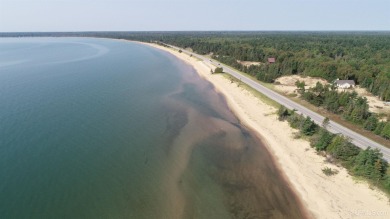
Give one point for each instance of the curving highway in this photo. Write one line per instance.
(333, 127)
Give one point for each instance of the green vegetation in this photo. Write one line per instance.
(306, 126)
(367, 164)
(300, 85)
(256, 93)
(329, 171)
(360, 56)
(218, 70)
(348, 104)
(283, 113)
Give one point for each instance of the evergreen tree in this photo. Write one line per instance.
(295, 120)
(282, 113)
(300, 85)
(331, 101)
(386, 131)
(308, 127)
(379, 128)
(325, 122)
(324, 139)
(371, 123)
(369, 163)
(341, 148)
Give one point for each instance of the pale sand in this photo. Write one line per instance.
(337, 196)
(375, 104)
(286, 84)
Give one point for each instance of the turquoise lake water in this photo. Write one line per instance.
(98, 128)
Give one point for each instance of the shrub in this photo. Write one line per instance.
(324, 140)
(329, 171)
(371, 123)
(308, 127)
(379, 128)
(341, 148)
(386, 131)
(218, 70)
(295, 120)
(282, 113)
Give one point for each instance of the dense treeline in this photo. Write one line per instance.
(360, 56)
(348, 104)
(368, 164)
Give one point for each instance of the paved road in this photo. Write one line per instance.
(333, 127)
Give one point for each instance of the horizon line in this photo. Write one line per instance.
(91, 31)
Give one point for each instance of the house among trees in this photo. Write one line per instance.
(345, 84)
(271, 60)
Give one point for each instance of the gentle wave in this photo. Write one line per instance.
(101, 50)
(10, 63)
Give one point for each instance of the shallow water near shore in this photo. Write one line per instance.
(95, 128)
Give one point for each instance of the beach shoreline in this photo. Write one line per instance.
(338, 196)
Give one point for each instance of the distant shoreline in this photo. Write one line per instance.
(323, 196)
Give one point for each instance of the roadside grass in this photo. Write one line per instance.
(196, 58)
(255, 93)
(323, 112)
(334, 117)
(340, 120)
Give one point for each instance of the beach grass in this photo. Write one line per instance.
(255, 93)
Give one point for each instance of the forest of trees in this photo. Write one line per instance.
(360, 56)
(368, 164)
(348, 104)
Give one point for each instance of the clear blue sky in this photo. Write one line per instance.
(139, 15)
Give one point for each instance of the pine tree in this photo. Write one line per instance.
(379, 128)
(369, 163)
(386, 131)
(379, 169)
(282, 113)
(308, 127)
(324, 139)
(325, 122)
(371, 123)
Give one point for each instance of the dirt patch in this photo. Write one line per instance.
(286, 84)
(375, 104)
(248, 63)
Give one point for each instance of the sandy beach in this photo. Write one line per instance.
(338, 196)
